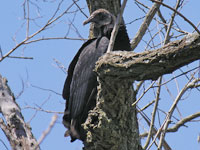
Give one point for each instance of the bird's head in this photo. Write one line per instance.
(101, 18)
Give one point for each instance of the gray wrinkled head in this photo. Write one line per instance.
(101, 17)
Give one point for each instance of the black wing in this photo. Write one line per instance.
(84, 78)
(83, 86)
(66, 89)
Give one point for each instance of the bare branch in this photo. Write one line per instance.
(49, 22)
(167, 37)
(183, 121)
(143, 94)
(179, 124)
(43, 110)
(1, 53)
(80, 9)
(44, 89)
(47, 131)
(17, 131)
(27, 18)
(171, 110)
(20, 57)
(54, 38)
(60, 66)
(155, 63)
(146, 106)
(154, 130)
(184, 73)
(116, 27)
(153, 114)
(144, 26)
(187, 20)
(40, 107)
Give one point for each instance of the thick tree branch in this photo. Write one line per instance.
(131, 66)
(17, 131)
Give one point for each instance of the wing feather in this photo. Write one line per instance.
(81, 86)
(84, 78)
(66, 89)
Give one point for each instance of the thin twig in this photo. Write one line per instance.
(143, 94)
(44, 89)
(146, 106)
(135, 20)
(179, 124)
(153, 113)
(171, 110)
(20, 57)
(116, 27)
(167, 37)
(49, 22)
(142, 4)
(162, 19)
(60, 66)
(187, 20)
(33, 116)
(1, 53)
(27, 18)
(167, 147)
(183, 121)
(138, 86)
(47, 131)
(178, 76)
(43, 110)
(54, 38)
(80, 9)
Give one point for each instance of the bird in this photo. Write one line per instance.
(80, 87)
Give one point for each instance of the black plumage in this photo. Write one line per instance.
(80, 88)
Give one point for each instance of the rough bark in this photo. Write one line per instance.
(16, 130)
(112, 124)
(111, 5)
(131, 66)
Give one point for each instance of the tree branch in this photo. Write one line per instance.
(182, 122)
(145, 25)
(187, 20)
(17, 131)
(48, 23)
(131, 66)
(116, 27)
(47, 131)
(179, 124)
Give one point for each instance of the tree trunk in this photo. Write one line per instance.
(112, 124)
(16, 130)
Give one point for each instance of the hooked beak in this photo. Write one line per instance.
(90, 19)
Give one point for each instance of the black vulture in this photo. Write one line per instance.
(80, 88)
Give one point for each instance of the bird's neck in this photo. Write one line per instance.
(122, 40)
